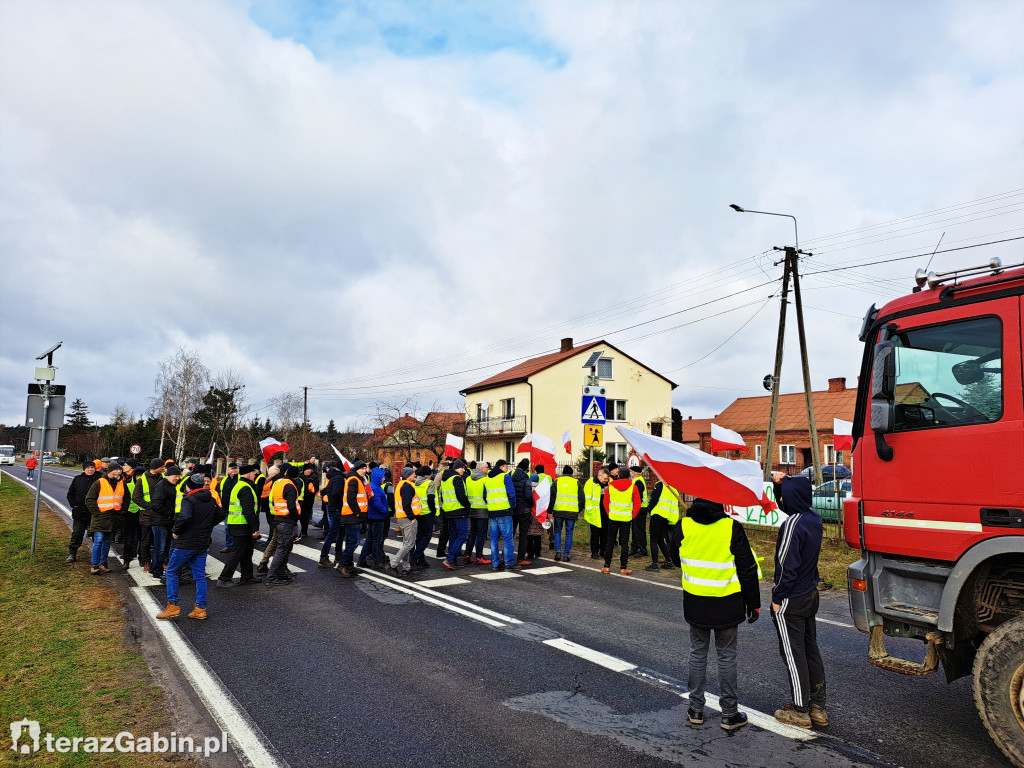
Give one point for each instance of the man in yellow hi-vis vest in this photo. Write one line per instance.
(720, 575)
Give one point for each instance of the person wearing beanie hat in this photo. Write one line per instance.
(190, 534)
(273, 473)
(284, 506)
(426, 518)
(622, 500)
(76, 503)
(243, 520)
(407, 507)
(478, 517)
(639, 535)
(131, 528)
(523, 510)
(355, 508)
(455, 507)
(500, 496)
(307, 496)
(595, 513)
(161, 516)
(142, 497)
(566, 504)
(223, 489)
(106, 502)
(331, 495)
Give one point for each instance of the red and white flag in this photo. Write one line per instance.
(344, 462)
(843, 431)
(567, 442)
(739, 483)
(270, 446)
(723, 439)
(542, 500)
(526, 445)
(453, 445)
(542, 451)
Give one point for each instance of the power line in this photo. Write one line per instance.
(915, 256)
(729, 338)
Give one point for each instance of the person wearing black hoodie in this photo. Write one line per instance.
(524, 508)
(720, 576)
(332, 516)
(191, 539)
(284, 506)
(795, 602)
(79, 514)
(455, 507)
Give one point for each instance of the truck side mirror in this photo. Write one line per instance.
(883, 372)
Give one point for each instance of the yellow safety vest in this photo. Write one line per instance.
(592, 492)
(422, 492)
(620, 503)
(133, 508)
(668, 504)
(709, 569)
(497, 493)
(235, 516)
(475, 492)
(567, 495)
(415, 507)
(179, 493)
(449, 501)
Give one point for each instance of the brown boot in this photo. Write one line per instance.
(606, 569)
(325, 562)
(819, 715)
(170, 612)
(790, 716)
(197, 613)
(625, 571)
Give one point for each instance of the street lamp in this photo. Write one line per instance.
(789, 269)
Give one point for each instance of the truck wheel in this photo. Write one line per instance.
(999, 688)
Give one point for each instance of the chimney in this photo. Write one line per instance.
(837, 384)
(690, 418)
(566, 344)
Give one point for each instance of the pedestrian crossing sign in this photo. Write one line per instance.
(593, 410)
(593, 436)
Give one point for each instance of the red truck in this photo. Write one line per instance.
(937, 507)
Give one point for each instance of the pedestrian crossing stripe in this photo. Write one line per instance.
(495, 575)
(450, 582)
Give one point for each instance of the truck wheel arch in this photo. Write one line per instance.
(965, 566)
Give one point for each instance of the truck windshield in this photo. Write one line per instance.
(949, 375)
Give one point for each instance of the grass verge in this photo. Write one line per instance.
(65, 661)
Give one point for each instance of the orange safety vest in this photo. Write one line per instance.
(267, 485)
(278, 505)
(111, 497)
(214, 485)
(416, 507)
(361, 498)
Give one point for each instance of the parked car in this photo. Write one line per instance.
(827, 499)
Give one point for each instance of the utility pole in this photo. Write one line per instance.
(305, 405)
(792, 253)
(777, 374)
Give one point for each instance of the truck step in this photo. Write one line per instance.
(878, 656)
(913, 610)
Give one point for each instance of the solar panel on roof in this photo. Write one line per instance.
(592, 360)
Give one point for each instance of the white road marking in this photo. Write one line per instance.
(545, 571)
(495, 575)
(246, 738)
(434, 600)
(445, 582)
(836, 623)
(596, 657)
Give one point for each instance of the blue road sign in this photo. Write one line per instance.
(593, 410)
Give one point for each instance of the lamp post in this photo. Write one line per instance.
(790, 268)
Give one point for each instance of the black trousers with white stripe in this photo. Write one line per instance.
(798, 645)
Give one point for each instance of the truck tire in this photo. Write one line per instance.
(999, 688)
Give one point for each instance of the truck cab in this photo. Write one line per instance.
(937, 504)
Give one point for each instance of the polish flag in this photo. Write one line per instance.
(567, 442)
(739, 483)
(843, 432)
(270, 446)
(542, 451)
(526, 446)
(344, 462)
(453, 445)
(723, 439)
(541, 501)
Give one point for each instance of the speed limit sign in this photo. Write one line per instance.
(136, 449)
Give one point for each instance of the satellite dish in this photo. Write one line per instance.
(767, 382)
(485, 404)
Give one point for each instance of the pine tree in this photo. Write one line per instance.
(332, 432)
(77, 418)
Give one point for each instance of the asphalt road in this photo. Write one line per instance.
(566, 667)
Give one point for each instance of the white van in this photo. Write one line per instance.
(7, 454)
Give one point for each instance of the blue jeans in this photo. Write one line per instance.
(570, 526)
(31, 474)
(229, 540)
(373, 545)
(458, 532)
(333, 535)
(179, 559)
(477, 536)
(351, 531)
(502, 526)
(100, 546)
(156, 561)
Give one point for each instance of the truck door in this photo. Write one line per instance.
(958, 436)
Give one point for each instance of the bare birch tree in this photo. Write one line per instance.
(180, 385)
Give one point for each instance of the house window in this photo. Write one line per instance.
(656, 428)
(787, 454)
(757, 453)
(479, 451)
(510, 452)
(508, 408)
(616, 410)
(604, 368)
(481, 412)
(830, 454)
(616, 452)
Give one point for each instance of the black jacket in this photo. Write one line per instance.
(161, 508)
(76, 496)
(199, 514)
(460, 494)
(799, 541)
(524, 492)
(351, 513)
(250, 510)
(728, 611)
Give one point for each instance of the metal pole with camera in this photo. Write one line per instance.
(44, 376)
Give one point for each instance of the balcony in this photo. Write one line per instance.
(496, 427)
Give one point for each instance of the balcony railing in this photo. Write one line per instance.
(497, 426)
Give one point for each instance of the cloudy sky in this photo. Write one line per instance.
(382, 200)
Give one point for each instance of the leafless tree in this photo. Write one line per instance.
(288, 412)
(180, 385)
(122, 417)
